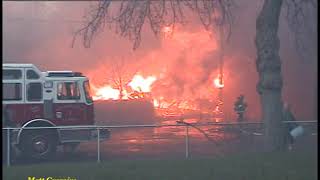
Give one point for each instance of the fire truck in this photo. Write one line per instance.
(32, 98)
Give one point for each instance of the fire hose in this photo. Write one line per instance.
(200, 130)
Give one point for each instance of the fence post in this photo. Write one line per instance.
(98, 139)
(8, 148)
(187, 141)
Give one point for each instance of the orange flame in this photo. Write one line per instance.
(193, 45)
(141, 84)
(138, 83)
(105, 93)
(156, 103)
(217, 83)
(167, 31)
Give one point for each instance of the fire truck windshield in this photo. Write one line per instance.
(87, 92)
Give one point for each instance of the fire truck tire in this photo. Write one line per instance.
(39, 145)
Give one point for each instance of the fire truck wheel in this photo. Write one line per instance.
(39, 145)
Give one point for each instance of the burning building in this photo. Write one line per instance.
(182, 78)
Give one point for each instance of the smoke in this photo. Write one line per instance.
(185, 64)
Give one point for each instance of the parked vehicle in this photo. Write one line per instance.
(32, 98)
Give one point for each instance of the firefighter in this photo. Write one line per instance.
(240, 107)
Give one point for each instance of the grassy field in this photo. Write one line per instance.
(266, 166)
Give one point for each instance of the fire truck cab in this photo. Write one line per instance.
(32, 98)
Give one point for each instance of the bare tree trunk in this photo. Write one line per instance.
(269, 69)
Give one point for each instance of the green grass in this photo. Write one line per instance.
(262, 166)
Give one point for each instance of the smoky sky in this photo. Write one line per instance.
(41, 33)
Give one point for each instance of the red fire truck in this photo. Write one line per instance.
(32, 98)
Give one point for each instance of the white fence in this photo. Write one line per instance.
(179, 123)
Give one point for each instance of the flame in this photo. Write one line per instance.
(156, 103)
(106, 93)
(141, 84)
(167, 31)
(138, 84)
(217, 82)
(168, 87)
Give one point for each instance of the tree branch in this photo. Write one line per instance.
(128, 17)
(301, 15)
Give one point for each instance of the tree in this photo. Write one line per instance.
(120, 76)
(269, 65)
(128, 18)
(269, 69)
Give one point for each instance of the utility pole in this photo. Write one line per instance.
(219, 107)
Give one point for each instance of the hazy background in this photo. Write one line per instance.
(41, 33)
